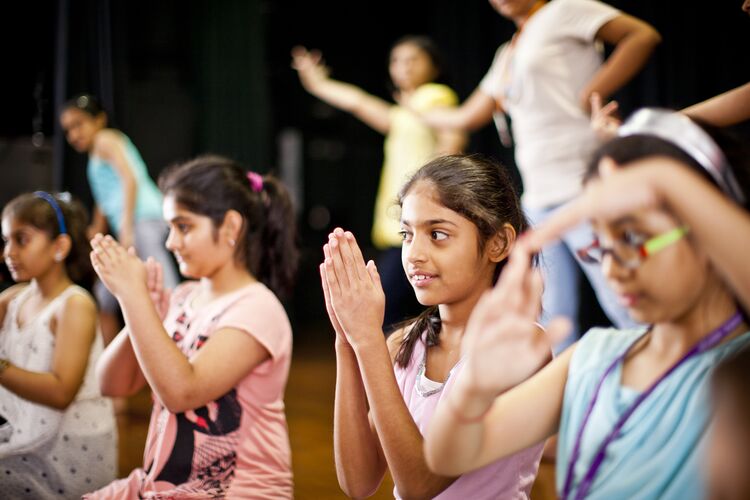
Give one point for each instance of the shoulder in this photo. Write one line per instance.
(601, 345)
(397, 337)
(78, 302)
(7, 296)
(435, 94)
(581, 16)
(107, 141)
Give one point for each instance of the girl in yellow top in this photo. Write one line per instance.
(414, 66)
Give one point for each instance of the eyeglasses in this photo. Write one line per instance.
(633, 249)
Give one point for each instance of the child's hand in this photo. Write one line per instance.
(340, 336)
(603, 118)
(121, 271)
(355, 294)
(155, 284)
(614, 194)
(309, 65)
(503, 344)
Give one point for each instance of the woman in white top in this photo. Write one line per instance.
(543, 78)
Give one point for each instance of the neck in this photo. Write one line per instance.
(521, 19)
(226, 280)
(708, 314)
(454, 316)
(52, 283)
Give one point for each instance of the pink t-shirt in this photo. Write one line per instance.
(510, 478)
(238, 445)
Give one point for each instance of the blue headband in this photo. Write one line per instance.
(58, 211)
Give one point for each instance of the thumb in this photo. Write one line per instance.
(373, 272)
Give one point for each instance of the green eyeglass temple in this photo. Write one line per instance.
(662, 241)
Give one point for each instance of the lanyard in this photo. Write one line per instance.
(708, 342)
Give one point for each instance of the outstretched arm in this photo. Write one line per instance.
(725, 109)
(357, 301)
(474, 113)
(372, 110)
(634, 41)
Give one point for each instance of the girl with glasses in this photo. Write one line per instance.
(631, 406)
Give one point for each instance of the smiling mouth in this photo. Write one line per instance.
(422, 279)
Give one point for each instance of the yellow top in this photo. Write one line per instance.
(409, 144)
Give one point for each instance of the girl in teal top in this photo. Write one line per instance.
(632, 406)
(127, 202)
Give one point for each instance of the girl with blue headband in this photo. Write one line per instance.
(58, 434)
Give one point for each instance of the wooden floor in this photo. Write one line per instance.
(309, 402)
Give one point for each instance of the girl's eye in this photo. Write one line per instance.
(183, 228)
(633, 238)
(438, 235)
(405, 235)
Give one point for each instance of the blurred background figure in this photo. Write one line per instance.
(414, 67)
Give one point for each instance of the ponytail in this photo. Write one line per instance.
(212, 185)
(274, 245)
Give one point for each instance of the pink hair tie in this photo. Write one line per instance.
(256, 181)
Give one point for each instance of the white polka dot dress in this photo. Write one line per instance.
(46, 453)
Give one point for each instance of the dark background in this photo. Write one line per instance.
(189, 77)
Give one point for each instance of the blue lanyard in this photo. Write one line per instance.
(708, 342)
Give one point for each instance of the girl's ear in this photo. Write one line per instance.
(500, 245)
(62, 246)
(101, 119)
(231, 227)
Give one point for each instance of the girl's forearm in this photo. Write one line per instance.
(723, 231)
(456, 433)
(359, 466)
(117, 370)
(44, 388)
(165, 367)
(397, 431)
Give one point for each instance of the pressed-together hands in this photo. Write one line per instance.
(123, 273)
(354, 297)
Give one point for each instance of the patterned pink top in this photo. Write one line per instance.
(238, 445)
(509, 478)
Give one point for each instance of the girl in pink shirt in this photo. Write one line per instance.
(216, 353)
(459, 219)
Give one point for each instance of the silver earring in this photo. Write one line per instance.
(232, 242)
(58, 257)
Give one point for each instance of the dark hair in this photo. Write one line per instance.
(85, 102)
(480, 190)
(212, 185)
(429, 47)
(426, 45)
(624, 150)
(35, 211)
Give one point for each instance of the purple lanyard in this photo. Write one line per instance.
(708, 342)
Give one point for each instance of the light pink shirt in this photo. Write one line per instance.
(509, 478)
(238, 445)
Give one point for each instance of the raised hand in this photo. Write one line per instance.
(309, 65)
(121, 271)
(604, 119)
(155, 283)
(355, 297)
(616, 193)
(503, 344)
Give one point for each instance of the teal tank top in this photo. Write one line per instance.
(106, 188)
(659, 452)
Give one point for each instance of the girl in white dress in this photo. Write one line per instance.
(58, 436)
